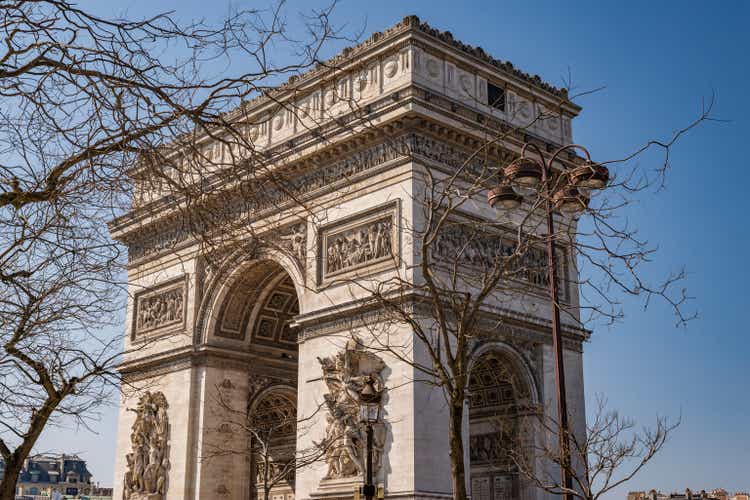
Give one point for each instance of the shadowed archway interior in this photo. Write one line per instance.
(499, 399)
(256, 315)
(258, 310)
(272, 421)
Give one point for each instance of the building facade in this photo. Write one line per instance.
(275, 338)
(49, 475)
(715, 494)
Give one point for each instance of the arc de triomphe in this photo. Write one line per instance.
(276, 332)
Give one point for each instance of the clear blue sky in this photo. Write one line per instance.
(657, 61)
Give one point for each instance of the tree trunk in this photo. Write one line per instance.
(458, 472)
(8, 484)
(14, 465)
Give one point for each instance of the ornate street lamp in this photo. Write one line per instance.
(527, 173)
(505, 196)
(369, 414)
(590, 176)
(524, 172)
(570, 200)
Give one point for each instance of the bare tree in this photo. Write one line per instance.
(471, 267)
(88, 102)
(265, 435)
(612, 452)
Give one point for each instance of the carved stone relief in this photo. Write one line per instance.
(159, 308)
(293, 238)
(344, 170)
(360, 245)
(346, 374)
(488, 448)
(148, 462)
(484, 250)
(256, 384)
(357, 242)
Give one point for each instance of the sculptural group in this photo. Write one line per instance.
(346, 374)
(147, 463)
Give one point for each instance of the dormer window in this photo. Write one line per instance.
(496, 96)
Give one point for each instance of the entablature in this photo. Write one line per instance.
(167, 226)
(410, 69)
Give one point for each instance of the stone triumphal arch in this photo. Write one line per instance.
(269, 338)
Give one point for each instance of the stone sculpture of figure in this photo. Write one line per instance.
(295, 241)
(147, 463)
(346, 374)
(384, 239)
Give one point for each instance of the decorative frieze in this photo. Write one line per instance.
(160, 308)
(344, 170)
(473, 247)
(148, 462)
(366, 240)
(157, 241)
(242, 207)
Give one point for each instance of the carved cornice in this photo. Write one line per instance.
(188, 357)
(479, 53)
(379, 38)
(156, 366)
(494, 324)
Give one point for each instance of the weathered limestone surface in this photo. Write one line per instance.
(199, 334)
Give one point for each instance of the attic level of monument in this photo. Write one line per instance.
(502, 70)
(430, 58)
(408, 69)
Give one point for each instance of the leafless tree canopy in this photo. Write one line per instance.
(471, 267)
(84, 101)
(611, 453)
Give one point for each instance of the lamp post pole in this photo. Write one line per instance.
(557, 347)
(370, 414)
(528, 172)
(369, 488)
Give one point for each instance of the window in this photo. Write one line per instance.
(496, 96)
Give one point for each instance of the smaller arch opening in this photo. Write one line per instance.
(272, 425)
(499, 402)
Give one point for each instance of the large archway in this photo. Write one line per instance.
(253, 307)
(501, 397)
